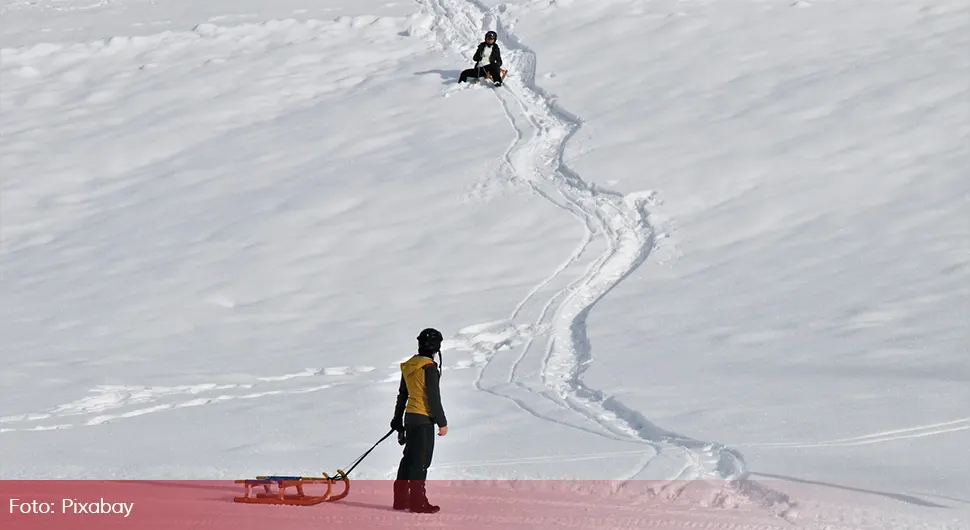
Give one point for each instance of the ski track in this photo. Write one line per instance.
(537, 158)
(879, 437)
(548, 384)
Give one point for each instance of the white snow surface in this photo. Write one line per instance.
(685, 240)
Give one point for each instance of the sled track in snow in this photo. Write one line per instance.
(547, 381)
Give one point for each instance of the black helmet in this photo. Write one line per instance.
(430, 340)
(429, 343)
(491, 35)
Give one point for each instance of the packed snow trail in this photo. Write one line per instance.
(546, 380)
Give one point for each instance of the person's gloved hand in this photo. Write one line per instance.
(397, 424)
(401, 438)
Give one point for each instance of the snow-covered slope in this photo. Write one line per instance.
(812, 169)
(684, 241)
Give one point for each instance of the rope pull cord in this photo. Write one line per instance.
(361, 457)
(346, 474)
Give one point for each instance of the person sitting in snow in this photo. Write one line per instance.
(488, 58)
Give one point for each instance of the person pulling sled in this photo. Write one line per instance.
(416, 412)
(488, 61)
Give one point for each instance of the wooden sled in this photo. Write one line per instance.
(300, 497)
(488, 75)
(284, 483)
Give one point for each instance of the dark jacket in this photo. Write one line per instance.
(494, 58)
(429, 411)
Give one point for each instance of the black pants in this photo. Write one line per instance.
(492, 69)
(409, 488)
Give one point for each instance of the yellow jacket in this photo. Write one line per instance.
(419, 395)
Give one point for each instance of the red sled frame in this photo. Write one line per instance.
(300, 498)
(285, 483)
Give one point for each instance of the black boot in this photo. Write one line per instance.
(418, 499)
(401, 495)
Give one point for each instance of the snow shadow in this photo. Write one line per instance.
(448, 76)
(370, 506)
(902, 497)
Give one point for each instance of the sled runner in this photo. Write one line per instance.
(285, 483)
(293, 491)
